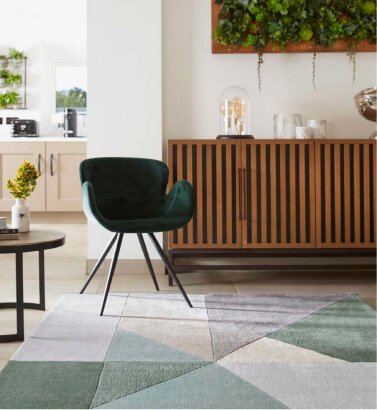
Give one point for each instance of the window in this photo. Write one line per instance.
(70, 88)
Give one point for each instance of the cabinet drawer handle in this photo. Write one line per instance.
(244, 193)
(52, 165)
(39, 163)
(240, 194)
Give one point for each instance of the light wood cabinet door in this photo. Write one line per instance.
(12, 155)
(212, 167)
(62, 175)
(346, 193)
(278, 188)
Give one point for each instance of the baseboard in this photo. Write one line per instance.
(127, 266)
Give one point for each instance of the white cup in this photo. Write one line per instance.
(319, 128)
(304, 133)
(285, 125)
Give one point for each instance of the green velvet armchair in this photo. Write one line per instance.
(128, 195)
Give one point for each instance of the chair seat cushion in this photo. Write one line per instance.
(153, 224)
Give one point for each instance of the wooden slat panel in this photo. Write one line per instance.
(273, 194)
(338, 215)
(266, 199)
(302, 193)
(347, 194)
(357, 192)
(353, 169)
(200, 234)
(209, 194)
(327, 193)
(263, 199)
(190, 226)
(292, 178)
(219, 195)
(366, 195)
(179, 177)
(283, 190)
(254, 215)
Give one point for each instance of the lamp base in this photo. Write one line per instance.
(235, 137)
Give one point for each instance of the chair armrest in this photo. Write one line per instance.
(180, 200)
(89, 203)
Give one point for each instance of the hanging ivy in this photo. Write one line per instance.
(259, 23)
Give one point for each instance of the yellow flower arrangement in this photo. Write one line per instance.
(25, 181)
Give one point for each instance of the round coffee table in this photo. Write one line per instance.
(33, 241)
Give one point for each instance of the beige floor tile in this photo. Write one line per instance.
(3, 363)
(198, 282)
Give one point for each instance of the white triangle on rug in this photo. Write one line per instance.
(270, 350)
(189, 336)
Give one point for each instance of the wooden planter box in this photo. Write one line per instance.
(302, 47)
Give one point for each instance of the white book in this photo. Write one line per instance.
(3, 222)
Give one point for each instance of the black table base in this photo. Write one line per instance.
(20, 305)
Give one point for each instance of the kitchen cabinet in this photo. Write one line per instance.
(63, 191)
(58, 187)
(12, 155)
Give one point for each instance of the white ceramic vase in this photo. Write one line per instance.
(21, 216)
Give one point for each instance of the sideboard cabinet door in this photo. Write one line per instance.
(213, 169)
(278, 187)
(346, 193)
(12, 155)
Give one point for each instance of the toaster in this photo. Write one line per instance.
(24, 128)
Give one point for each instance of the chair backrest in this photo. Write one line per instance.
(126, 188)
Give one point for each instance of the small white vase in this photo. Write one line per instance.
(21, 216)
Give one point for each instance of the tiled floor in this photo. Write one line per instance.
(65, 269)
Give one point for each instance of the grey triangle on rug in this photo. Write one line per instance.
(229, 351)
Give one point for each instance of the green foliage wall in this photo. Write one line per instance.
(260, 22)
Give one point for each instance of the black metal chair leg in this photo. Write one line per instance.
(169, 267)
(111, 272)
(147, 259)
(99, 263)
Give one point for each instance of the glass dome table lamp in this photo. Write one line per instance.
(234, 114)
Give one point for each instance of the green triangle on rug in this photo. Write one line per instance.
(130, 347)
(119, 379)
(48, 385)
(345, 330)
(209, 387)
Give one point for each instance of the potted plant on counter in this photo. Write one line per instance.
(3, 61)
(16, 57)
(4, 73)
(14, 79)
(21, 188)
(13, 100)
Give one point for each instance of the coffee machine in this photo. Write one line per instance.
(74, 123)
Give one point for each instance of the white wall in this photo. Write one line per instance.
(49, 32)
(194, 79)
(124, 90)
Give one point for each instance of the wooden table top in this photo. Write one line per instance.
(33, 241)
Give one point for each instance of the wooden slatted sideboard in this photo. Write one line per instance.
(275, 197)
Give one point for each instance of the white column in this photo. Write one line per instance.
(124, 91)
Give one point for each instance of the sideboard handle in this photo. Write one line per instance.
(244, 193)
(52, 165)
(39, 163)
(240, 194)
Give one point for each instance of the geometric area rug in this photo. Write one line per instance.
(229, 351)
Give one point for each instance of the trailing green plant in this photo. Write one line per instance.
(15, 54)
(259, 23)
(25, 181)
(13, 78)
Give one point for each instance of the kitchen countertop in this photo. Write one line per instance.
(45, 138)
